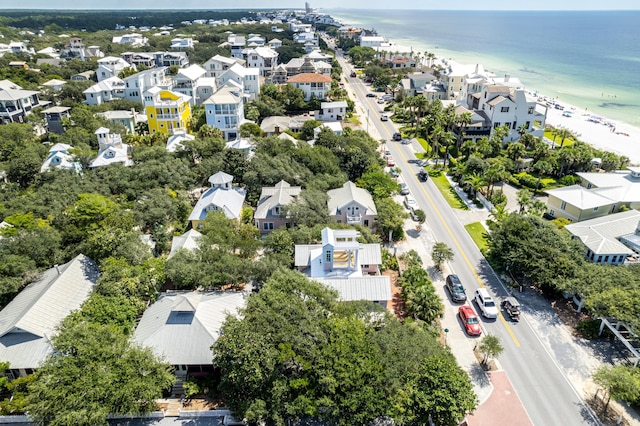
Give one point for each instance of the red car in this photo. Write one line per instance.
(390, 161)
(470, 320)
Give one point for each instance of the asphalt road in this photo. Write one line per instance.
(545, 391)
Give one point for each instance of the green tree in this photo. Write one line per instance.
(491, 347)
(441, 253)
(622, 383)
(125, 379)
(441, 393)
(378, 183)
(391, 218)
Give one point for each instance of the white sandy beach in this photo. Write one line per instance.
(625, 140)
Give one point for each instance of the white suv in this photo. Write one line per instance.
(485, 303)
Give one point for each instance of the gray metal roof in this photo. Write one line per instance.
(279, 195)
(349, 192)
(187, 241)
(228, 201)
(27, 323)
(601, 235)
(375, 288)
(181, 327)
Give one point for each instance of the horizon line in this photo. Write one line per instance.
(299, 8)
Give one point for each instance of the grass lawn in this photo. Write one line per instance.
(567, 142)
(478, 235)
(448, 192)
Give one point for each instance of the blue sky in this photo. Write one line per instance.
(352, 4)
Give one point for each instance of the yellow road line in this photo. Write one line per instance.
(464, 256)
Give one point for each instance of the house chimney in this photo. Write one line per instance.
(276, 130)
(57, 269)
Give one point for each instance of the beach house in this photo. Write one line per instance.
(221, 196)
(166, 110)
(270, 212)
(352, 205)
(344, 264)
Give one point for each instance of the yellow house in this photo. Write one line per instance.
(166, 110)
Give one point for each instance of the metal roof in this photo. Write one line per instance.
(228, 200)
(27, 323)
(600, 235)
(181, 327)
(279, 195)
(349, 192)
(187, 241)
(375, 288)
(580, 197)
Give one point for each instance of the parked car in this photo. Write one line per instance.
(410, 202)
(405, 141)
(371, 95)
(390, 161)
(404, 189)
(397, 137)
(384, 117)
(485, 303)
(470, 320)
(395, 172)
(455, 288)
(381, 101)
(387, 154)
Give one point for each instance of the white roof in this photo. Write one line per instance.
(369, 287)
(226, 95)
(187, 241)
(54, 82)
(106, 85)
(192, 72)
(580, 197)
(28, 322)
(279, 195)
(369, 254)
(601, 234)
(111, 155)
(335, 104)
(174, 142)
(59, 157)
(229, 201)
(624, 187)
(348, 193)
(181, 327)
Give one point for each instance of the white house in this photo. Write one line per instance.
(54, 84)
(312, 84)
(105, 91)
(248, 78)
(129, 119)
(222, 196)
(275, 43)
(191, 81)
(135, 40)
(174, 142)
(111, 150)
(182, 43)
(345, 265)
(373, 41)
(218, 64)
(332, 111)
(110, 66)
(135, 85)
(225, 109)
(352, 205)
(16, 103)
(60, 158)
(187, 241)
(263, 58)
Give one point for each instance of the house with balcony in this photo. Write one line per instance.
(135, 85)
(301, 66)
(225, 109)
(180, 327)
(264, 58)
(60, 158)
(83, 76)
(157, 59)
(613, 239)
(218, 64)
(34, 315)
(352, 205)
(318, 56)
(275, 43)
(312, 84)
(513, 108)
(76, 49)
(147, 60)
(182, 43)
(599, 194)
(269, 214)
(191, 81)
(238, 45)
(221, 196)
(54, 117)
(344, 264)
(166, 110)
(111, 149)
(16, 103)
(111, 66)
(248, 78)
(105, 91)
(134, 39)
(332, 111)
(480, 126)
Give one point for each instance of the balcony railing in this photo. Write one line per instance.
(167, 116)
(352, 220)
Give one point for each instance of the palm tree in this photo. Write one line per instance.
(448, 140)
(522, 130)
(564, 134)
(542, 167)
(494, 174)
(516, 150)
(462, 120)
(499, 213)
(524, 199)
(475, 182)
(437, 133)
(440, 254)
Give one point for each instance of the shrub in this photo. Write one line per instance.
(569, 180)
(498, 198)
(525, 179)
(388, 261)
(589, 328)
(191, 388)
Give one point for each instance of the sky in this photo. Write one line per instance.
(327, 4)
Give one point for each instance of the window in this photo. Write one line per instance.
(276, 210)
(504, 109)
(563, 205)
(599, 259)
(606, 259)
(327, 256)
(595, 209)
(531, 109)
(267, 226)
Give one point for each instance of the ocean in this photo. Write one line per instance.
(590, 59)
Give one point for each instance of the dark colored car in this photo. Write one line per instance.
(397, 137)
(470, 320)
(371, 95)
(455, 288)
(353, 74)
(423, 175)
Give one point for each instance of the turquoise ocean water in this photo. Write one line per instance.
(588, 59)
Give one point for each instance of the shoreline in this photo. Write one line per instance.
(596, 130)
